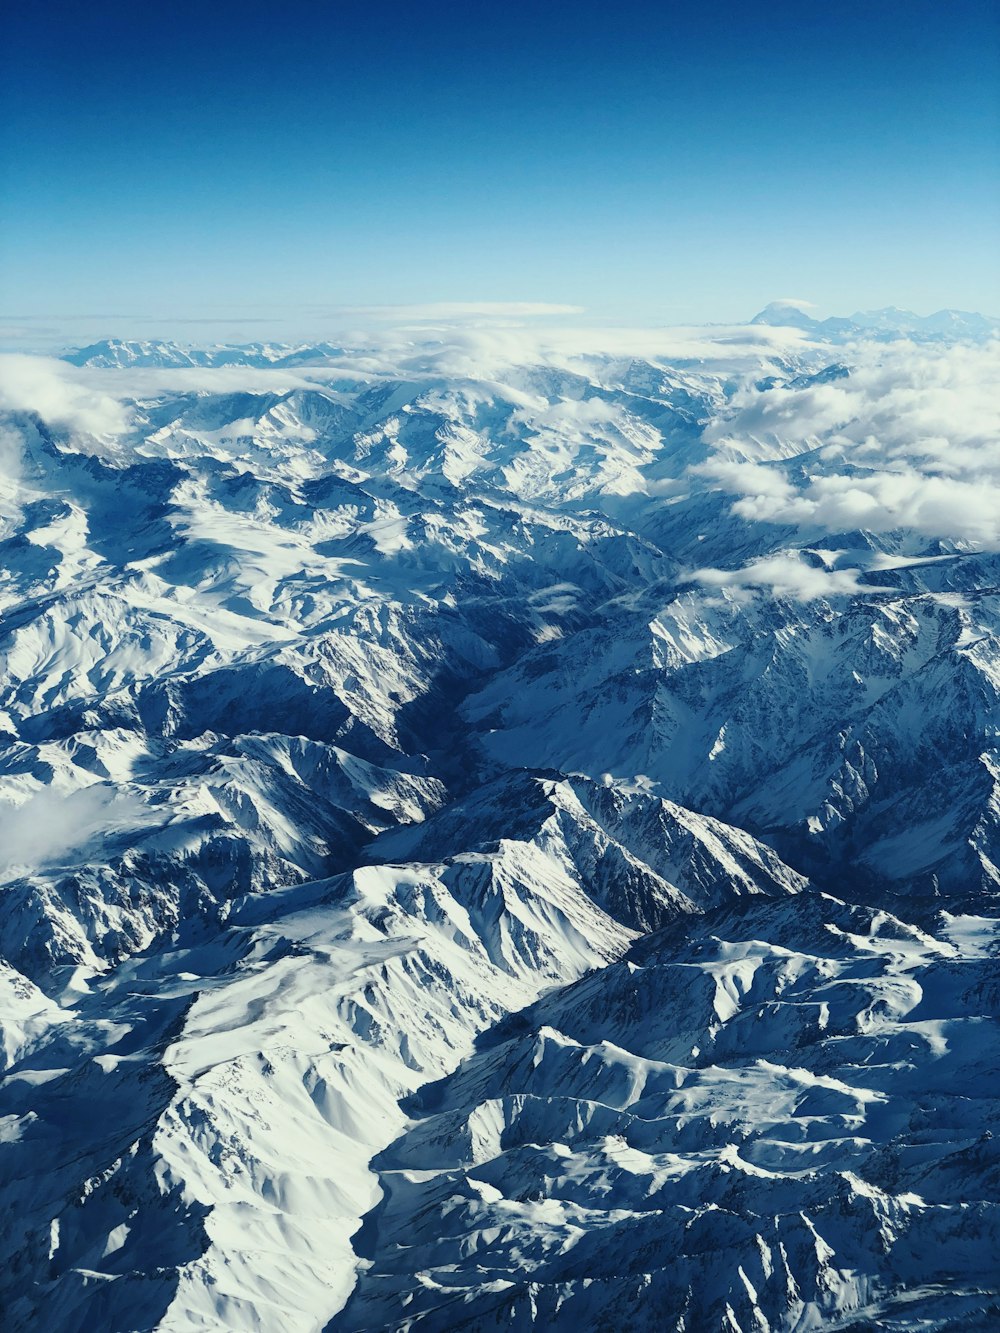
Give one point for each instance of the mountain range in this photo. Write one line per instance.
(889, 324)
(504, 836)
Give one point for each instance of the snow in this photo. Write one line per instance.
(426, 905)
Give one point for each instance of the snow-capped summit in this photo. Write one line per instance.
(791, 314)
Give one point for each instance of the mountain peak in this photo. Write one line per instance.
(785, 314)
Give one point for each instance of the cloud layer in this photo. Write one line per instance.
(90, 400)
(910, 439)
(60, 394)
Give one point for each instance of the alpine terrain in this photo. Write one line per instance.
(500, 829)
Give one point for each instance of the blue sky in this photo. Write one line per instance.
(272, 162)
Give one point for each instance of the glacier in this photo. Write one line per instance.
(500, 827)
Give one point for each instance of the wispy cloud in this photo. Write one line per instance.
(47, 826)
(787, 575)
(457, 311)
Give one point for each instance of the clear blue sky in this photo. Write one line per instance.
(265, 160)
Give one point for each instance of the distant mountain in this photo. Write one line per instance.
(785, 314)
(943, 324)
(114, 353)
(117, 354)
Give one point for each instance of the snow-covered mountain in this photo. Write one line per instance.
(119, 354)
(891, 322)
(502, 832)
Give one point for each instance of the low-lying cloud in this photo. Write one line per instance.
(96, 401)
(910, 439)
(786, 575)
(42, 830)
(60, 394)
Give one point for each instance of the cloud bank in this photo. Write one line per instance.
(94, 401)
(60, 394)
(910, 439)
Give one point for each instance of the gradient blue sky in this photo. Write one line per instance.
(172, 162)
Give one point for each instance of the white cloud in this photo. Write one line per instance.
(911, 439)
(569, 415)
(786, 575)
(140, 382)
(884, 501)
(489, 351)
(747, 478)
(11, 472)
(49, 824)
(908, 440)
(59, 393)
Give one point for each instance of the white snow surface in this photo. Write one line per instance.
(503, 834)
